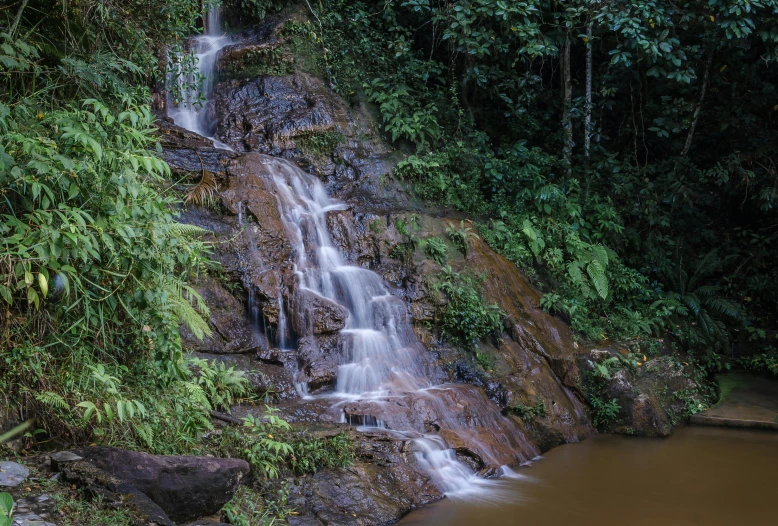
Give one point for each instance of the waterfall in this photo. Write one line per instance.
(194, 112)
(380, 357)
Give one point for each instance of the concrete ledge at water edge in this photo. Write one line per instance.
(746, 401)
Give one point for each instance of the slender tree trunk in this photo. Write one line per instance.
(18, 18)
(567, 93)
(588, 109)
(698, 109)
(159, 90)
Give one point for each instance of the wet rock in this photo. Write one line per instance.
(266, 114)
(267, 241)
(232, 330)
(34, 511)
(319, 360)
(652, 398)
(315, 314)
(12, 474)
(458, 412)
(365, 494)
(184, 487)
(599, 355)
(536, 360)
(191, 155)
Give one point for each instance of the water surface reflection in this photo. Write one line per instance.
(698, 476)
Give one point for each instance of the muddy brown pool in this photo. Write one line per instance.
(698, 476)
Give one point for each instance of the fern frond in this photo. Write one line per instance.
(596, 272)
(186, 230)
(196, 395)
(600, 254)
(193, 296)
(188, 315)
(145, 432)
(52, 400)
(725, 307)
(705, 267)
(203, 191)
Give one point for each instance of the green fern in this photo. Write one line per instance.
(187, 230)
(596, 272)
(52, 400)
(180, 299)
(700, 307)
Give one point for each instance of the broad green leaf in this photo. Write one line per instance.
(6, 503)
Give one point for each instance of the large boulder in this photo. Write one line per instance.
(265, 114)
(184, 487)
(315, 314)
(319, 358)
(366, 493)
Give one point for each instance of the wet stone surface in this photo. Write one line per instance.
(34, 511)
(12, 474)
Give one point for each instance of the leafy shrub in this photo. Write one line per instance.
(436, 249)
(529, 412)
(250, 507)
(460, 237)
(605, 412)
(319, 144)
(311, 455)
(764, 363)
(466, 318)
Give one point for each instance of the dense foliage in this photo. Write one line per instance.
(95, 271)
(622, 153)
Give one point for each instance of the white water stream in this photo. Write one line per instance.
(194, 111)
(380, 357)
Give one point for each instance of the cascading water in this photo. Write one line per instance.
(193, 111)
(381, 361)
(380, 357)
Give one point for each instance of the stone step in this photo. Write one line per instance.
(747, 401)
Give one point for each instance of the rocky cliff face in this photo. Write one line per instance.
(257, 302)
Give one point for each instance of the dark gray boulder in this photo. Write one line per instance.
(184, 487)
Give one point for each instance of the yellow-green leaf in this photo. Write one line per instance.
(43, 284)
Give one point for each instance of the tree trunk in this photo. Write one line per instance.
(698, 109)
(567, 93)
(158, 88)
(588, 109)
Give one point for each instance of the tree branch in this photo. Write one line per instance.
(698, 110)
